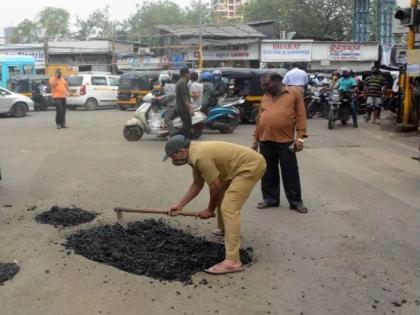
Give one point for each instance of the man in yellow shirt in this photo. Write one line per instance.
(231, 171)
(59, 89)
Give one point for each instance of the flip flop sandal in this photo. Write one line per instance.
(220, 269)
(265, 205)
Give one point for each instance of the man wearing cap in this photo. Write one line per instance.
(231, 171)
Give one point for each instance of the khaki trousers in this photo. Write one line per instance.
(230, 204)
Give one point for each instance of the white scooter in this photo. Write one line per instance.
(151, 121)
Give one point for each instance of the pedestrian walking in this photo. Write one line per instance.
(196, 90)
(374, 89)
(59, 90)
(183, 102)
(231, 172)
(279, 134)
(296, 78)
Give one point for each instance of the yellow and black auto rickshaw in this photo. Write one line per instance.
(34, 86)
(134, 86)
(244, 82)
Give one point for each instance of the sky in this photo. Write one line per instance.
(14, 11)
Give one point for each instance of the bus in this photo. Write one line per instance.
(15, 66)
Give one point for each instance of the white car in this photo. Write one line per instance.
(14, 104)
(92, 90)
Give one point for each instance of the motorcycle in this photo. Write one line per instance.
(319, 102)
(149, 119)
(224, 118)
(340, 108)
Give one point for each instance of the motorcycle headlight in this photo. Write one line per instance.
(316, 94)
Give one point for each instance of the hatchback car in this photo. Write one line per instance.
(14, 104)
(92, 90)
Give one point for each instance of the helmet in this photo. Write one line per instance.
(165, 78)
(217, 73)
(344, 69)
(206, 77)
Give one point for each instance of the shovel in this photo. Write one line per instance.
(120, 211)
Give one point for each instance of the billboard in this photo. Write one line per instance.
(285, 51)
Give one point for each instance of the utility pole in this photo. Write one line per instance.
(114, 57)
(200, 38)
(46, 52)
(408, 94)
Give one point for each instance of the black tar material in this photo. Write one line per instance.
(7, 271)
(65, 216)
(150, 248)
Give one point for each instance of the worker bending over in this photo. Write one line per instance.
(231, 171)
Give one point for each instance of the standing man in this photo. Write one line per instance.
(231, 171)
(374, 89)
(59, 90)
(196, 90)
(297, 79)
(183, 102)
(279, 133)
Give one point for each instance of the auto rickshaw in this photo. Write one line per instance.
(36, 87)
(134, 86)
(245, 82)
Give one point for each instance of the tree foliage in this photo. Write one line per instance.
(97, 25)
(319, 18)
(49, 23)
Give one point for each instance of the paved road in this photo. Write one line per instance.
(358, 244)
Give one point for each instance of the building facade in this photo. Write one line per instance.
(228, 9)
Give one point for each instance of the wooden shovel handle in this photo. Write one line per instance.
(153, 210)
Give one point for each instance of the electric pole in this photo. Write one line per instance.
(200, 38)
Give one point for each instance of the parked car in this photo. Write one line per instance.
(14, 104)
(92, 90)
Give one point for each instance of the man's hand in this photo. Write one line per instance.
(205, 214)
(174, 211)
(298, 146)
(254, 145)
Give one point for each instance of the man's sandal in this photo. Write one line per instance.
(221, 269)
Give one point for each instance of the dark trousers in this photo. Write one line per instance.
(60, 111)
(274, 153)
(186, 123)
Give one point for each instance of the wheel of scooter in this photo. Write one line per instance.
(230, 126)
(312, 109)
(133, 133)
(331, 120)
(197, 131)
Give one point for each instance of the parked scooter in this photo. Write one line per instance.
(319, 102)
(224, 117)
(340, 108)
(149, 119)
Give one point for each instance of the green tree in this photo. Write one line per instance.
(25, 32)
(50, 22)
(320, 18)
(53, 22)
(97, 25)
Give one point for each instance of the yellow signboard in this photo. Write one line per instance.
(413, 63)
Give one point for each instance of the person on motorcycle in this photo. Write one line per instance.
(209, 92)
(219, 85)
(168, 100)
(347, 83)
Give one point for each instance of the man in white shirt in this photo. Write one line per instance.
(296, 78)
(196, 90)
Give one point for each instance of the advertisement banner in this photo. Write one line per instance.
(285, 51)
(243, 52)
(345, 51)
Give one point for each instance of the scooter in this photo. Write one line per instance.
(340, 108)
(149, 119)
(319, 102)
(224, 117)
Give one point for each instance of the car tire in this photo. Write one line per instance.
(91, 104)
(19, 110)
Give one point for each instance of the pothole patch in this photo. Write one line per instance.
(65, 217)
(8, 271)
(151, 248)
